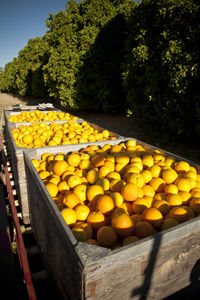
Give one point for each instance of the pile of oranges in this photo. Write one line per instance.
(117, 194)
(54, 134)
(38, 116)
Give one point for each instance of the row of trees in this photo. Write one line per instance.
(114, 55)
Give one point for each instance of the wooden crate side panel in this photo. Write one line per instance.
(151, 269)
(57, 247)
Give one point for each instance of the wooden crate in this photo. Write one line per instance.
(151, 268)
(17, 161)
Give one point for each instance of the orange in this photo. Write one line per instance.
(130, 192)
(104, 171)
(155, 170)
(52, 189)
(116, 185)
(136, 179)
(98, 160)
(69, 215)
(143, 229)
(147, 176)
(190, 212)
(191, 174)
(59, 156)
(127, 206)
(139, 205)
(179, 213)
(85, 164)
(148, 191)
(96, 219)
(131, 143)
(63, 187)
(105, 204)
(93, 191)
(87, 228)
(92, 176)
(182, 166)
(153, 216)
(104, 182)
(169, 175)
(160, 196)
(136, 218)
(82, 212)
(171, 189)
(169, 223)
(122, 223)
(113, 175)
(185, 197)
(80, 234)
(59, 167)
(27, 139)
(106, 236)
(122, 159)
(80, 191)
(158, 184)
(35, 162)
(174, 200)
(44, 174)
(130, 239)
(169, 161)
(73, 180)
(147, 161)
(74, 159)
(117, 198)
(121, 168)
(71, 199)
(162, 206)
(195, 205)
(131, 169)
(183, 185)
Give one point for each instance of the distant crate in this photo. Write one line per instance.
(18, 109)
(151, 268)
(17, 161)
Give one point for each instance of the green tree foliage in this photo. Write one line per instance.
(80, 40)
(161, 73)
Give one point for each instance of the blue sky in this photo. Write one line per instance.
(21, 20)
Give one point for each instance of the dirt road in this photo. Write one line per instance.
(125, 126)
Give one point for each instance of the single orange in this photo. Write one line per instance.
(122, 223)
(52, 189)
(143, 229)
(153, 216)
(96, 219)
(130, 192)
(106, 236)
(59, 167)
(71, 199)
(105, 204)
(93, 191)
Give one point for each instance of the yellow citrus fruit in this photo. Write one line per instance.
(80, 234)
(52, 189)
(117, 198)
(104, 182)
(139, 205)
(169, 175)
(96, 219)
(148, 191)
(195, 205)
(60, 167)
(153, 216)
(116, 185)
(93, 191)
(162, 206)
(183, 185)
(174, 200)
(63, 187)
(158, 184)
(143, 229)
(185, 197)
(169, 223)
(130, 192)
(147, 176)
(44, 174)
(106, 236)
(105, 204)
(179, 213)
(82, 212)
(74, 159)
(69, 215)
(182, 166)
(155, 170)
(171, 189)
(70, 199)
(73, 180)
(80, 191)
(122, 223)
(27, 139)
(92, 176)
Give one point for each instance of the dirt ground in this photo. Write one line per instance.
(124, 126)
